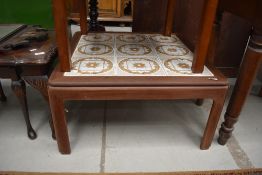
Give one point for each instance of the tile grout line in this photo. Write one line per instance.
(240, 157)
(103, 147)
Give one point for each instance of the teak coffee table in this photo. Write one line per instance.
(124, 66)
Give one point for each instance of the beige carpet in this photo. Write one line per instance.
(228, 172)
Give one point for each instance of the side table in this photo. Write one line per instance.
(32, 64)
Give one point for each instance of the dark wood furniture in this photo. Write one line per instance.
(32, 65)
(250, 11)
(62, 88)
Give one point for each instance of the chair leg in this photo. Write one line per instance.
(2, 94)
(212, 122)
(248, 71)
(59, 122)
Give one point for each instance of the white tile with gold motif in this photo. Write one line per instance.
(139, 66)
(129, 38)
(168, 50)
(97, 38)
(181, 66)
(84, 50)
(92, 66)
(134, 49)
(161, 39)
(132, 55)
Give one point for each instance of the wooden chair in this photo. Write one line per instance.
(66, 83)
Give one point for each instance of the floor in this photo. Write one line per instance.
(131, 136)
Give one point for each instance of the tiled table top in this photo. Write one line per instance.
(107, 54)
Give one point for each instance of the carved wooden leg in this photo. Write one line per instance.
(19, 89)
(2, 94)
(93, 13)
(242, 88)
(40, 84)
(60, 124)
(212, 122)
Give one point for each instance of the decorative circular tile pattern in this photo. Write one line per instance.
(97, 37)
(172, 50)
(95, 49)
(134, 49)
(92, 65)
(142, 66)
(179, 65)
(163, 39)
(131, 38)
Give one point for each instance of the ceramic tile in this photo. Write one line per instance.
(92, 66)
(158, 39)
(97, 37)
(93, 49)
(168, 50)
(139, 66)
(131, 38)
(134, 49)
(104, 54)
(179, 66)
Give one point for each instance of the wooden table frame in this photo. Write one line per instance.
(62, 88)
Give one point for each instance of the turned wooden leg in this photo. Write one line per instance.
(60, 124)
(212, 122)
(2, 94)
(248, 71)
(18, 86)
(40, 84)
(93, 13)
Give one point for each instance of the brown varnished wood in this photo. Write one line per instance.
(19, 89)
(231, 39)
(170, 17)
(187, 25)
(62, 34)
(20, 64)
(63, 88)
(59, 121)
(250, 11)
(83, 17)
(248, 71)
(205, 32)
(40, 84)
(58, 95)
(149, 16)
